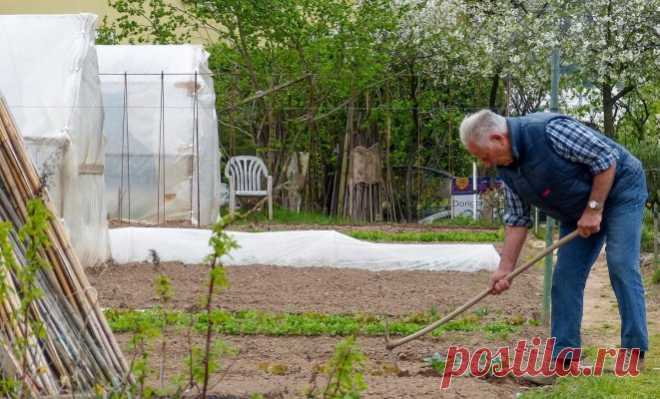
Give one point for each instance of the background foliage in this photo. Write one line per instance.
(316, 75)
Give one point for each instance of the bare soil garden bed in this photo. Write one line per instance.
(314, 289)
(259, 227)
(283, 367)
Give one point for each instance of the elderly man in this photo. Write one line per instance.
(587, 182)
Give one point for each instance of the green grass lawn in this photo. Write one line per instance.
(463, 221)
(286, 216)
(429, 236)
(646, 385)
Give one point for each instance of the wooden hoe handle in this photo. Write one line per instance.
(393, 344)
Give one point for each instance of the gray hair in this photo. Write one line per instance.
(479, 125)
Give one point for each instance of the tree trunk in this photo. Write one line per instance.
(231, 135)
(314, 173)
(494, 88)
(608, 110)
(271, 153)
(341, 203)
(414, 147)
(408, 193)
(386, 151)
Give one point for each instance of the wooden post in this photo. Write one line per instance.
(341, 200)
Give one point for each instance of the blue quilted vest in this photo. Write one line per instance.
(560, 187)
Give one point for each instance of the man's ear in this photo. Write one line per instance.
(498, 139)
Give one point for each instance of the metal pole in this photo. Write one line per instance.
(554, 89)
(550, 224)
(656, 236)
(547, 273)
(536, 220)
(474, 190)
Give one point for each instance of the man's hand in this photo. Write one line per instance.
(589, 222)
(514, 238)
(498, 282)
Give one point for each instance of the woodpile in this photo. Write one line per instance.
(75, 352)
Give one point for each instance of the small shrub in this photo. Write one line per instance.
(481, 312)
(345, 371)
(647, 238)
(534, 322)
(436, 362)
(656, 276)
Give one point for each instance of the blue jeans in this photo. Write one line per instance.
(621, 232)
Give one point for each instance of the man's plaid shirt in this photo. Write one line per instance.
(572, 141)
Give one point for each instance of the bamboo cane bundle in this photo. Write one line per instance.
(76, 350)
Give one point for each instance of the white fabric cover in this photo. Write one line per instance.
(49, 76)
(178, 177)
(300, 249)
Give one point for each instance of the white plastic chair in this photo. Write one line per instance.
(246, 175)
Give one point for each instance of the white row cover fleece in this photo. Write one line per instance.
(150, 124)
(49, 77)
(299, 249)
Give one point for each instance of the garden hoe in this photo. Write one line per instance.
(393, 344)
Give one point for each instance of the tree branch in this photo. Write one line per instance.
(622, 93)
(262, 93)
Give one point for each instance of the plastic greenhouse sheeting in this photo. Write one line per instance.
(162, 158)
(299, 249)
(50, 80)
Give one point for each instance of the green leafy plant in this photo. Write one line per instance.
(204, 361)
(34, 236)
(344, 371)
(500, 330)
(436, 362)
(656, 276)
(221, 243)
(143, 333)
(9, 385)
(252, 322)
(164, 293)
(145, 21)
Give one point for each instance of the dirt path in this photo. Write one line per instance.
(600, 322)
(601, 325)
